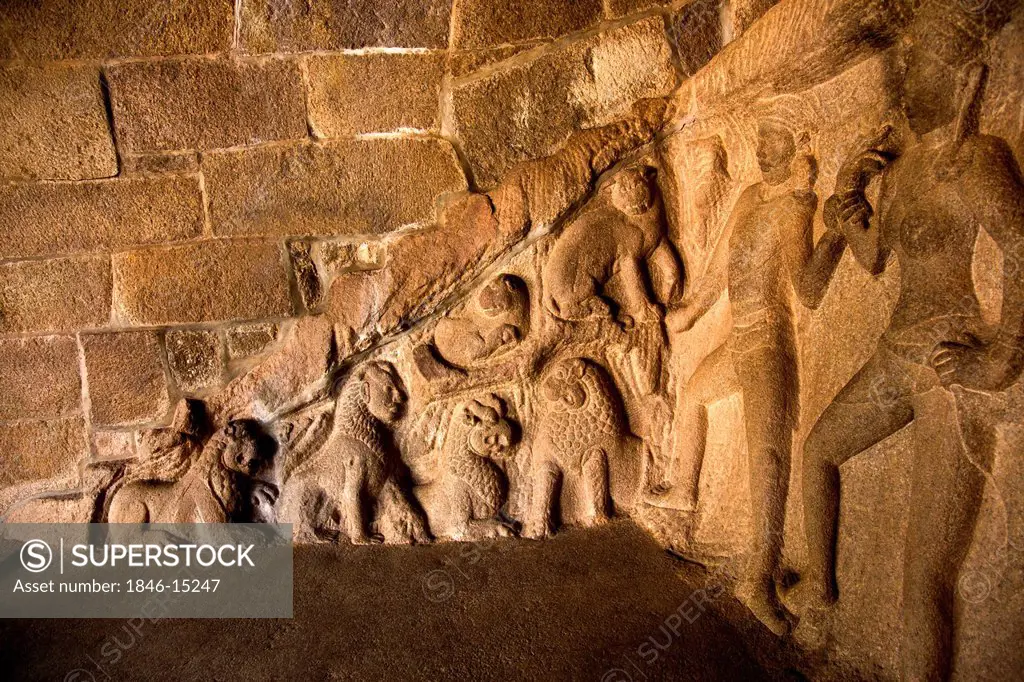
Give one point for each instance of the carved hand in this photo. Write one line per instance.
(682, 318)
(982, 366)
(869, 161)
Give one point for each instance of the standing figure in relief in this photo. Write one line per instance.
(949, 181)
(765, 255)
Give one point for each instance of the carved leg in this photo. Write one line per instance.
(946, 494)
(545, 479)
(665, 273)
(352, 503)
(636, 306)
(401, 515)
(595, 486)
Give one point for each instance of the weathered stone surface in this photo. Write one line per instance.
(113, 445)
(206, 104)
(195, 358)
(126, 378)
(36, 450)
(201, 282)
(57, 218)
(39, 378)
(374, 93)
(528, 111)
(464, 62)
(55, 124)
(347, 256)
(697, 34)
(98, 29)
(489, 23)
(621, 8)
(249, 339)
(344, 187)
(269, 26)
(307, 279)
(61, 294)
(150, 164)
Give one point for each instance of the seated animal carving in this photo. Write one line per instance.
(475, 487)
(623, 236)
(186, 484)
(581, 431)
(357, 480)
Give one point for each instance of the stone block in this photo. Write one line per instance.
(305, 275)
(55, 124)
(113, 445)
(152, 164)
(126, 377)
(39, 378)
(622, 8)
(60, 294)
(343, 187)
(273, 26)
(201, 282)
(464, 62)
(250, 339)
(36, 450)
(195, 358)
(374, 93)
(205, 104)
(489, 23)
(55, 218)
(697, 33)
(528, 111)
(101, 29)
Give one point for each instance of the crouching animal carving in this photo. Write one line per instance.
(183, 483)
(356, 481)
(475, 486)
(581, 432)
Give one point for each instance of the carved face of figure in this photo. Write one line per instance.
(242, 453)
(775, 151)
(505, 293)
(928, 87)
(384, 398)
(632, 193)
(564, 385)
(490, 433)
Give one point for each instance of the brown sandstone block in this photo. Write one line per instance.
(113, 445)
(343, 187)
(39, 378)
(98, 29)
(464, 62)
(37, 450)
(488, 23)
(206, 104)
(250, 339)
(697, 34)
(201, 282)
(151, 164)
(621, 8)
(61, 294)
(374, 93)
(55, 124)
(585, 84)
(126, 378)
(195, 358)
(273, 26)
(54, 218)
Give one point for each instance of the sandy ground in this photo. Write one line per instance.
(588, 605)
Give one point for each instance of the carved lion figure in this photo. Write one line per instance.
(582, 432)
(356, 480)
(184, 483)
(474, 485)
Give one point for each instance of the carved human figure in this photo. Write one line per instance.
(581, 431)
(766, 255)
(475, 486)
(185, 484)
(937, 356)
(623, 235)
(357, 480)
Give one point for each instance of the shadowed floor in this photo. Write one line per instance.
(587, 605)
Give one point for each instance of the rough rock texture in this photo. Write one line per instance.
(492, 23)
(374, 93)
(55, 295)
(96, 29)
(55, 124)
(126, 377)
(249, 339)
(39, 378)
(36, 450)
(269, 26)
(56, 218)
(195, 358)
(350, 187)
(206, 104)
(214, 280)
(113, 445)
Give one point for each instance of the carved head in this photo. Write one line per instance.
(380, 389)
(243, 449)
(564, 384)
(490, 433)
(776, 148)
(633, 191)
(505, 293)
